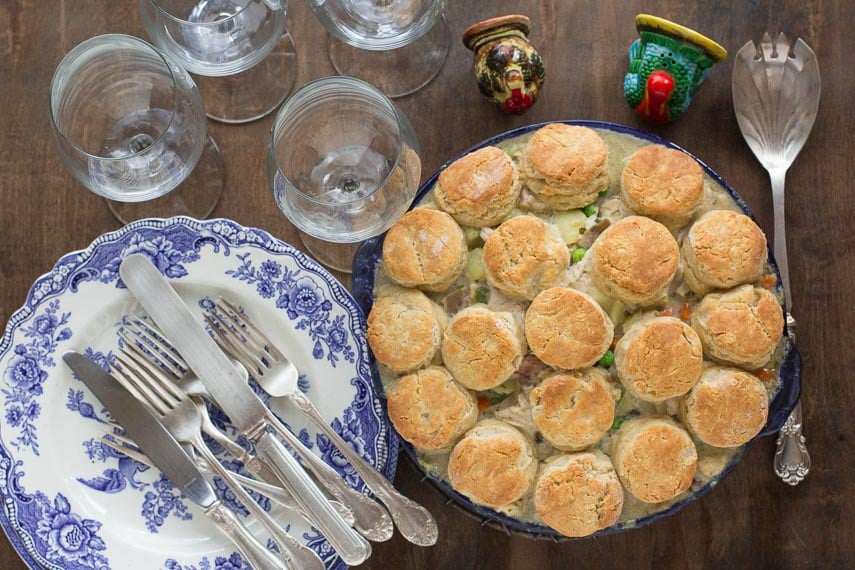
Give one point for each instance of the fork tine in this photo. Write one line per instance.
(155, 379)
(137, 346)
(123, 377)
(768, 47)
(164, 382)
(157, 339)
(126, 449)
(121, 439)
(233, 347)
(262, 341)
(144, 389)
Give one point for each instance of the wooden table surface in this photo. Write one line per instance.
(752, 519)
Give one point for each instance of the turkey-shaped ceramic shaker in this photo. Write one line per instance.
(667, 64)
(507, 66)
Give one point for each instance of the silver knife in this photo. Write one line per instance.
(228, 389)
(167, 455)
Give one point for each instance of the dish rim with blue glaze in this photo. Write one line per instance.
(362, 287)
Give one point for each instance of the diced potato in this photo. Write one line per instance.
(571, 224)
(617, 313)
(603, 300)
(475, 265)
(473, 236)
(513, 150)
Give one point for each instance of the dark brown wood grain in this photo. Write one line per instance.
(751, 520)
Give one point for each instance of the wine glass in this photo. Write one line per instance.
(397, 45)
(344, 165)
(130, 125)
(242, 56)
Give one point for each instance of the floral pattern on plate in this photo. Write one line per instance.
(71, 502)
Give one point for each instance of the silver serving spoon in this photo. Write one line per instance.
(776, 97)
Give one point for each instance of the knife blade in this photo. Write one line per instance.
(226, 386)
(166, 454)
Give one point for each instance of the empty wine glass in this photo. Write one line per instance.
(344, 165)
(396, 45)
(242, 56)
(130, 125)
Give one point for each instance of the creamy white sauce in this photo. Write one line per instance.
(514, 409)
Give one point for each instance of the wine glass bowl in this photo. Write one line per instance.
(397, 45)
(378, 24)
(343, 163)
(129, 124)
(214, 38)
(239, 50)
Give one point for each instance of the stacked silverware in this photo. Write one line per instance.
(162, 376)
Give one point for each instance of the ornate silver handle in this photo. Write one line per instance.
(370, 519)
(792, 460)
(414, 522)
(297, 553)
(258, 557)
(271, 487)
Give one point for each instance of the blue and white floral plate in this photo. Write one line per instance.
(71, 503)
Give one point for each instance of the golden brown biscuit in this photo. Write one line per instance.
(664, 184)
(480, 189)
(405, 329)
(429, 409)
(654, 457)
(482, 348)
(573, 410)
(425, 249)
(659, 359)
(741, 326)
(567, 329)
(578, 494)
(565, 166)
(634, 261)
(524, 256)
(494, 464)
(723, 249)
(726, 408)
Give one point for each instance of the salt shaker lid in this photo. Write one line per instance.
(478, 33)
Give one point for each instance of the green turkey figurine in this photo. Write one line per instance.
(667, 64)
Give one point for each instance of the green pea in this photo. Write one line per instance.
(608, 359)
(618, 422)
(496, 399)
(604, 193)
(577, 254)
(482, 294)
(590, 210)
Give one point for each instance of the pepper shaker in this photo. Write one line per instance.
(508, 68)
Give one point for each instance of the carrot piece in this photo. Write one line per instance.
(483, 403)
(685, 312)
(667, 312)
(769, 281)
(766, 374)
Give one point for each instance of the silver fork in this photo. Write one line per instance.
(278, 377)
(371, 519)
(154, 364)
(126, 446)
(181, 417)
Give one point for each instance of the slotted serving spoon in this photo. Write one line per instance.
(776, 97)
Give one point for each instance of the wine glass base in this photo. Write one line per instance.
(337, 256)
(254, 93)
(396, 72)
(196, 196)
